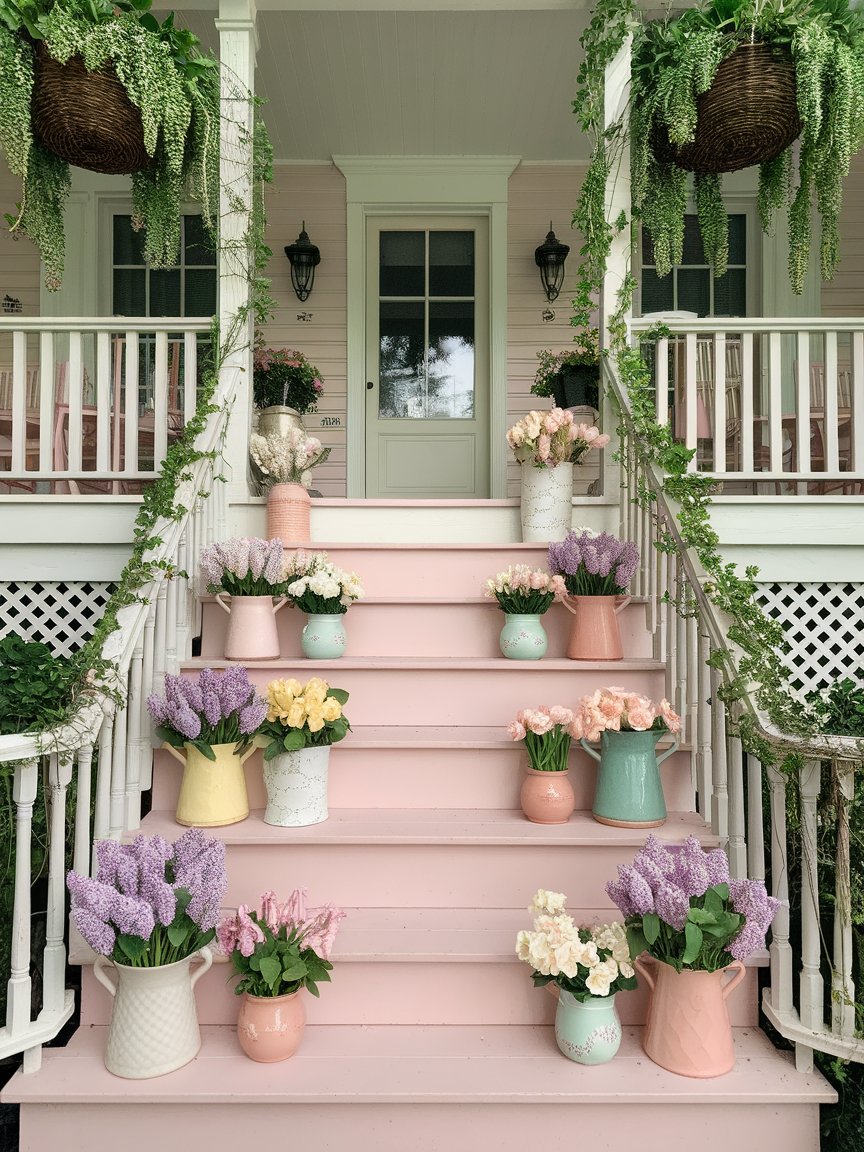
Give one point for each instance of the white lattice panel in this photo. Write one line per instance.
(824, 627)
(63, 616)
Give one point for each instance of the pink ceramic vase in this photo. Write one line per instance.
(594, 632)
(688, 1029)
(270, 1028)
(252, 633)
(288, 507)
(547, 797)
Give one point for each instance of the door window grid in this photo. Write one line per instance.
(691, 285)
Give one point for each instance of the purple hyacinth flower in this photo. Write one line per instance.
(186, 722)
(157, 708)
(252, 716)
(672, 905)
(99, 935)
(717, 863)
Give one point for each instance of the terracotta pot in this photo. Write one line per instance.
(547, 797)
(213, 792)
(270, 1028)
(252, 633)
(594, 631)
(288, 514)
(688, 1029)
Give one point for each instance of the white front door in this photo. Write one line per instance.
(427, 357)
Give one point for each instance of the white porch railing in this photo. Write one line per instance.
(92, 404)
(768, 401)
(727, 781)
(107, 748)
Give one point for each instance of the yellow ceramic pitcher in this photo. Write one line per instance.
(213, 792)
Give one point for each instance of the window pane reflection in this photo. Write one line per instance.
(401, 360)
(450, 379)
(451, 263)
(402, 262)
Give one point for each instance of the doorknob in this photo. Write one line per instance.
(370, 384)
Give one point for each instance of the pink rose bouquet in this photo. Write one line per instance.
(546, 439)
(619, 710)
(525, 591)
(282, 947)
(546, 733)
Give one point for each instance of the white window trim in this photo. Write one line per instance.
(414, 185)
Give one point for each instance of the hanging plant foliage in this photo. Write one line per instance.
(735, 82)
(150, 106)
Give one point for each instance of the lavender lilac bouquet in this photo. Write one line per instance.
(245, 566)
(682, 907)
(214, 709)
(283, 947)
(594, 565)
(152, 903)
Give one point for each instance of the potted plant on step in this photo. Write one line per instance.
(597, 569)
(149, 913)
(524, 594)
(325, 593)
(277, 952)
(547, 444)
(303, 721)
(282, 463)
(208, 724)
(629, 792)
(571, 377)
(250, 571)
(104, 86)
(695, 924)
(547, 794)
(588, 966)
(285, 386)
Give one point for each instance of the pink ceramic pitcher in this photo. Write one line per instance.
(252, 633)
(688, 1029)
(595, 634)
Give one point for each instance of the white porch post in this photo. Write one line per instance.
(617, 95)
(237, 48)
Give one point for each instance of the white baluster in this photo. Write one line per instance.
(803, 400)
(46, 401)
(680, 701)
(130, 379)
(18, 987)
(703, 729)
(755, 819)
(54, 970)
(858, 400)
(747, 403)
(661, 375)
(737, 849)
(172, 595)
(19, 402)
(83, 780)
(831, 416)
(182, 647)
(118, 775)
(775, 401)
(842, 987)
(780, 951)
(810, 983)
(160, 394)
(671, 625)
(691, 682)
(690, 410)
(132, 792)
(102, 808)
(719, 414)
(720, 789)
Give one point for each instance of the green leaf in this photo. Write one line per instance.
(293, 970)
(294, 740)
(693, 938)
(701, 916)
(338, 694)
(271, 970)
(132, 946)
(177, 934)
(205, 749)
(636, 941)
(713, 901)
(651, 927)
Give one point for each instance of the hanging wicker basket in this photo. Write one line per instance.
(747, 116)
(86, 118)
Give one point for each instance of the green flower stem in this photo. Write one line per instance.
(548, 752)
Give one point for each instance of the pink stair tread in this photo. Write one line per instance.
(439, 664)
(442, 826)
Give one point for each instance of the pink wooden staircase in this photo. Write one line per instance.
(431, 1035)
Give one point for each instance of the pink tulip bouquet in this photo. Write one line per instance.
(547, 439)
(546, 733)
(282, 947)
(525, 591)
(619, 710)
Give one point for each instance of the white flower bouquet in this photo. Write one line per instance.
(286, 459)
(318, 587)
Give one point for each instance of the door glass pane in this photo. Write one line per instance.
(451, 263)
(730, 293)
(129, 292)
(401, 360)
(694, 290)
(450, 383)
(401, 265)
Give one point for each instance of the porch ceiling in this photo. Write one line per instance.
(446, 83)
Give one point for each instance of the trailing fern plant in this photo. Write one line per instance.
(175, 88)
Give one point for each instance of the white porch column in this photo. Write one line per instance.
(237, 48)
(618, 263)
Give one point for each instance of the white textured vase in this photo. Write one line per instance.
(296, 784)
(154, 1022)
(546, 502)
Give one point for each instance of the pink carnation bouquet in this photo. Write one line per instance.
(525, 591)
(282, 947)
(546, 733)
(619, 710)
(547, 439)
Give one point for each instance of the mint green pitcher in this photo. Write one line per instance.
(629, 793)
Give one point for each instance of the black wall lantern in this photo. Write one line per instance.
(549, 258)
(304, 256)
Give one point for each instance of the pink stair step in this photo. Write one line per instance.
(386, 959)
(430, 859)
(464, 627)
(392, 767)
(451, 692)
(425, 1088)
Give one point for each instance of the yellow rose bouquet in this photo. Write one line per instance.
(302, 716)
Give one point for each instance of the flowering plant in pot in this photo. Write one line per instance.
(151, 909)
(589, 966)
(251, 572)
(276, 952)
(303, 721)
(547, 795)
(596, 567)
(282, 463)
(325, 593)
(284, 378)
(572, 377)
(524, 594)
(682, 908)
(208, 724)
(629, 792)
